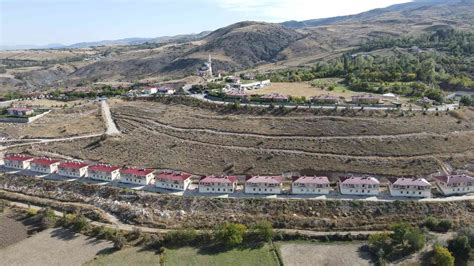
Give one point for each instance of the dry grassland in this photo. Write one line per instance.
(300, 89)
(73, 121)
(205, 142)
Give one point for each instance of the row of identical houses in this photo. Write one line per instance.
(265, 185)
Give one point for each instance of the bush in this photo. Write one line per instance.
(181, 237)
(460, 248)
(230, 234)
(31, 212)
(435, 225)
(444, 225)
(80, 224)
(119, 241)
(442, 256)
(263, 231)
(47, 218)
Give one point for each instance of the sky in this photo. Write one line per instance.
(41, 22)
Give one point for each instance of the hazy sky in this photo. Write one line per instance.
(40, 22)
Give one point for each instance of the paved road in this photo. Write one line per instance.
(415, 108)
(109, 122)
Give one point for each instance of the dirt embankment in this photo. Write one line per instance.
(166, 211)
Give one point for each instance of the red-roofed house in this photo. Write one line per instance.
(104, 172)
(310, 185)
(455, 184)
(173, 180)
(136, 176)
(72, 169)
(264, 185)
(17, 161)
(44, 165)
(218, 184)
(359, 186)
(410, 187)
(20, 111)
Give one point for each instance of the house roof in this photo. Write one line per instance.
(265, 179)
(323, 180)
(45, 161)
(455, 179)
(360, 180)
(73, 165)
(20, 109)
(137, 171)
(420, 182)
(18, 157)
(218, 179)
(173, 176)
(103, 168)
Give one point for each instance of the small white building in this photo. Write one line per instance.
(104, 172)
(264, 185)
(20, 111)
(17, 161)
(73, 169)
(410, 187)
(166, 90)
(253, 85)
(149, 91)
(455, 184)
(136, 176)
(44, 165)
(218, 184)
(173, 180)
(359, 186)
(311, 185)
(391, 97)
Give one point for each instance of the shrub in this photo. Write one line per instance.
(119, 241)
(444, 225)
(80, 224)
(181, 237)
(460, 248)
(442, 256)
(47, 218)
(31, 212)
(230, 234)
(435, 225)
(263, 231)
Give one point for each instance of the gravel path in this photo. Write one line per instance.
(110, 124)
(55, 246)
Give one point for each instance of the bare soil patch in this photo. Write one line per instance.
(11, 230)
(341, 254)
(55, 246)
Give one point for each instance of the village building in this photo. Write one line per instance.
(253, 85)
(218, 184)
(17, 161)
(274, 97)
(264, 185)
(150, 91)
(310, 185)
(325, 99)
(206, 71)
(166, 90)
(173, 180)
(136, 176)
(73, 169)
(237, 95)
(366, 99)
(233, 80)
(410, 187)
(359, 186)
(20, 111)
(391, 97)
(104, 172)
(455, 184)
(44, 165)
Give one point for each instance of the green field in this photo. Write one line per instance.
(260, 256)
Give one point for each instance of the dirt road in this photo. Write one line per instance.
(110, 124)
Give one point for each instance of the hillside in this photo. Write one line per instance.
(244, 45)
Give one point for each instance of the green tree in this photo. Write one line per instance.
(466, 101)
(230, 234)
(460, 247)
(442, 256)
(264, 231)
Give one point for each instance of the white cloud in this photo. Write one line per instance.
(279, 10)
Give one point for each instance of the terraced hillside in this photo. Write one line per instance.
(204, 141)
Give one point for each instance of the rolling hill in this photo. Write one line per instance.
(244, 45)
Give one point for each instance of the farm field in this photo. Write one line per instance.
(261, 256)
(55, 246)
(204, 141)
(72, 120)
(301, 89)
(341, 254)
